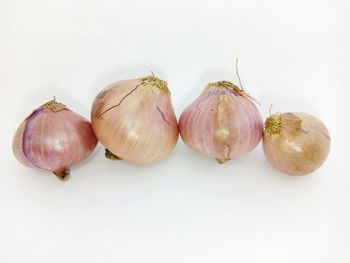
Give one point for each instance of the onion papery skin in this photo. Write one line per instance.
(53, 138)
(222, 122)
(296, 143)
(134, 119)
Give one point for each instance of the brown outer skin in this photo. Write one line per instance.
(301, 147)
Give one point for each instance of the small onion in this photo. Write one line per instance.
(295, 143)
(53, 138)
(222, 122)
(135, 121)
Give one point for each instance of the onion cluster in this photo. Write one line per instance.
(135, 121)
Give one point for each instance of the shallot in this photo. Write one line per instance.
(296, 143)
(222, 122)
(53, 138)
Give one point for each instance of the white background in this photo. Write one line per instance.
(187, 208)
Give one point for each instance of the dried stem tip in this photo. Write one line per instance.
(153, 80)
(54, 106)
(273, 124)
(224, 85)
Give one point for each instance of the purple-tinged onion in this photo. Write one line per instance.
(135, 121)
(222, 122)
(295, 143)
(53, 138)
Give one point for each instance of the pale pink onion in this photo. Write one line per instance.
(53, 138)
(222, 122)
(135, 121)
(296, 143)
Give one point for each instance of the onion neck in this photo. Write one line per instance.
(273, 124)
(224, 85)
(227, 85)
(156, 82)
(54, 106)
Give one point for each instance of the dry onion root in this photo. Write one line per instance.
(135, 121)
(222, 122)
(53, 138)
(295, 143)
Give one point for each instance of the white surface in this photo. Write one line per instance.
(187, 208)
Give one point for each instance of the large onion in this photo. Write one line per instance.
(222, 122)
(53, 138)
(135, 121)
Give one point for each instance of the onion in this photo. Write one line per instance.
(135, 121)
(53, 138)
(222, 122)
(295, 143)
